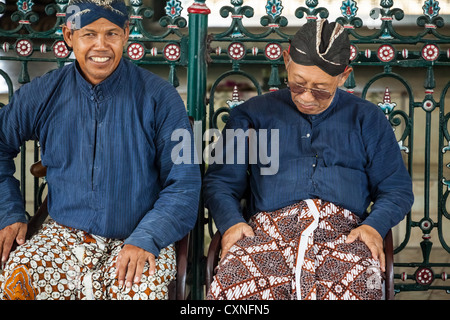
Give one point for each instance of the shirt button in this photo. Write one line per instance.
(92, 98)
(314, 165)
(308, 135)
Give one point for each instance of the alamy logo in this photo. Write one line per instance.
(260, 147)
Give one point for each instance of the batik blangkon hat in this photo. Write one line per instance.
(80, 13)
(322, 44)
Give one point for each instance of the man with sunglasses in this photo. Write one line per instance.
(313, 230)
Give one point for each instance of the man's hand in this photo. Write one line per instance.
(235, 233)
(15, 231)
(130, 264)
(372, 239)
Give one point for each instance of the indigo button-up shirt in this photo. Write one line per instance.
(347, 155)
(108, 153)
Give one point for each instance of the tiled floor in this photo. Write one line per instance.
(423, 295)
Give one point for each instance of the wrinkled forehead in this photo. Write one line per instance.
(80, 13)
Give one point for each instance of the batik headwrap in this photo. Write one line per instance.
(80, 13)
(322, 44)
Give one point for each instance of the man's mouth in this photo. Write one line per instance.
(100, 59)
(307, 106)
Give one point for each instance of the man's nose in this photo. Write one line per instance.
(101, 42)
(307, 96)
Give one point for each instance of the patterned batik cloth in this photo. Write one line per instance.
(299, 252)
(61, 263)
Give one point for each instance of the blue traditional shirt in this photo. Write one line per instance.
(108, 153)
(347, 155)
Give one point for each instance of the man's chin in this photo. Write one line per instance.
(97, 77)
(308, 109)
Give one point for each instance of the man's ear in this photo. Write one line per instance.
(127, 32)
(68, 35)
(345, 76)
(286, 58)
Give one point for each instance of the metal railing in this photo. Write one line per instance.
(386, 61)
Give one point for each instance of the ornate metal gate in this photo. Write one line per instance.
(224, 64)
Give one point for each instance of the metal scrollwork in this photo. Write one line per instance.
(236, 48)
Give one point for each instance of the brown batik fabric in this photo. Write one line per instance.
(61, 263)
(299, 252)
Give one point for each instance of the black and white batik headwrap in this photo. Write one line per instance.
(322, 44)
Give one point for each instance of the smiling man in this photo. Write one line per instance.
(116, 200)
(307, 232)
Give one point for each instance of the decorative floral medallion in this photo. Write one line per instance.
(136, 51)
(349, 9)
(430, 52)
(173, 8)
(273, 51)
(431, 8)
(25, 5)
(24, 47)
(386, 53)
(60, 49)
(274, 8)
(236, 51)
(172, 52)
(424, 276)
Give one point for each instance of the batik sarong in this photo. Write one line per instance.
(61, 263)
(299, 252)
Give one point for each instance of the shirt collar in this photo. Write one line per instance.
(105, 89)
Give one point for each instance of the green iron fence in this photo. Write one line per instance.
(401, 69)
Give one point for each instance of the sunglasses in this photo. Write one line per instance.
(317, 93)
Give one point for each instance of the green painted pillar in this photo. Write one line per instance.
(196, 106)
(198, 28)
